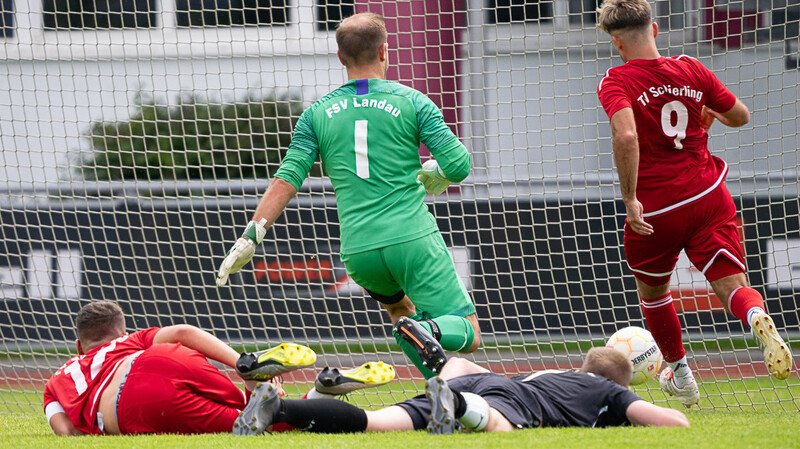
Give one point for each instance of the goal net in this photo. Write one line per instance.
(138, 136)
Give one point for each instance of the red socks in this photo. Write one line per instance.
(662, 322)
(742, 300)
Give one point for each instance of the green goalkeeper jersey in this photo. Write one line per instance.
(367, 134)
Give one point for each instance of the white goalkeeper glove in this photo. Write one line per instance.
(242, 251)
(433, 178)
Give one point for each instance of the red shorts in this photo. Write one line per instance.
(174, 389)
(706, 229)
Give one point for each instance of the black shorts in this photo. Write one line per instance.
(513, 399)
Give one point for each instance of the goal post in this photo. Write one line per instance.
(137, 138)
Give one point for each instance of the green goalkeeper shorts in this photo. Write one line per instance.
(422, 267)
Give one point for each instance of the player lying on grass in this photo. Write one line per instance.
(367, 133)
(660, 110)
(156, 380)
(596, 396)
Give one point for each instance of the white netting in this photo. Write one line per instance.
(138, 136)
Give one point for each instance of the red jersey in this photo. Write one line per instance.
(78, 384)
(667, 95)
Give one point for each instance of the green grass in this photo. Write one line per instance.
(769, 419)
(759, 394)
(710, 429)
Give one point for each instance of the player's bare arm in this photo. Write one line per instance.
(199, 340)
(274, 201)
(626, 156)
(208, 345)
(62, 426)
(737, 116)
(643, 413)
(272, 204)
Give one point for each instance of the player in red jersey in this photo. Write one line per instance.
(660, 110)
(156, 380)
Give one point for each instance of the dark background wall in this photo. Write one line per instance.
(554, 268)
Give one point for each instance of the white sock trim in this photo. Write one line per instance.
(752, 312)
(730, 297)
(682, 375)
(657, 302)
(477, 414)
(53, 408)
(314, 394)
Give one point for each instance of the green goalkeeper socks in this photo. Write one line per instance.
(454, 334)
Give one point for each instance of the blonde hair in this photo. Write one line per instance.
(623, 15)
(609, 363)
(359, 37)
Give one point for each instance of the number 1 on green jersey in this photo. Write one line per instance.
(360, 142)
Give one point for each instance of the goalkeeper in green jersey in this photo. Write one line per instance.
(367, 134)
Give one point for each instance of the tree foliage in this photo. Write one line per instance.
(193, 139)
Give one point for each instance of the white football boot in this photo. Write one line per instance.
(776, 352)
(689, 394)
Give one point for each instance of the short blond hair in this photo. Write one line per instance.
(359, 37)
(609, 363)
(623, 15)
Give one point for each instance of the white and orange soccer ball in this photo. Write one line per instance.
(641, 349)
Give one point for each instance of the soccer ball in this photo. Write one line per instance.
(640, 348)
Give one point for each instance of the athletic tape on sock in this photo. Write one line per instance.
(477, 414)
(435, 331)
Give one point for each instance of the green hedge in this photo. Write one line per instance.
(193, 139)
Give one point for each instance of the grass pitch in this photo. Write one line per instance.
(710, 429)
(759, 416)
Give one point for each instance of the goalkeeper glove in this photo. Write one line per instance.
(433, 178)
(242, 251)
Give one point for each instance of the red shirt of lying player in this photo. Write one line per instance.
(169, 385)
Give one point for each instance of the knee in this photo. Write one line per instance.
(725, 286)
(498, 422)
(400, 309)
(652, 291)
(476, 343)
(476, 340)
